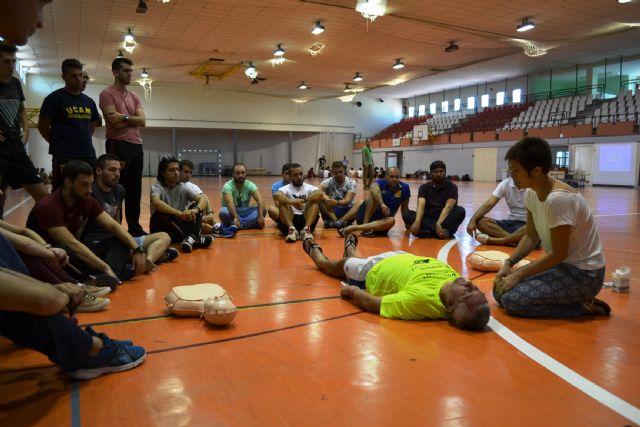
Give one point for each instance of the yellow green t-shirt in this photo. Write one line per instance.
(410, 286)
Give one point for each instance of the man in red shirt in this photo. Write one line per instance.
(124, 115)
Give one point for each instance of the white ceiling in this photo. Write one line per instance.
(174, 38)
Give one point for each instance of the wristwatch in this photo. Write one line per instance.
(139, 250)
(125, 118)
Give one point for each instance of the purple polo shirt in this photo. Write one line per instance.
(437, 198)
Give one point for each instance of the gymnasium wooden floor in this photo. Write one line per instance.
(297, 355)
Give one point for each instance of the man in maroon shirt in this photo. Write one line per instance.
(63, 215)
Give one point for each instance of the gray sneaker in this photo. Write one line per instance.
(91, 303)
(96, 291)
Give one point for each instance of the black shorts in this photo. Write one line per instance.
(16, 167)
(298, 223)
(510, 225)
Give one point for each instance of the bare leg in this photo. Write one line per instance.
(351, 213)
(274, 213)
(37, 191)
(334, 268)
(155, 245)
(380, 225)
(491, 228)
(285, 214)
(311, 214)
(511, 239)
(328, 212)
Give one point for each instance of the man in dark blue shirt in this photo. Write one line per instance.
(375, 215)
(437, 213)
(68, 118)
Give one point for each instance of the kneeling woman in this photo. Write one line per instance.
(566, 279)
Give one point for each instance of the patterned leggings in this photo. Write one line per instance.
(558, 292)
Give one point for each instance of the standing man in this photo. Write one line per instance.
(236, 196)
(67, 120)
(107, 190)
(124, 115)
(337, 197)
(437, 214)
(16, 169)
(367, 164)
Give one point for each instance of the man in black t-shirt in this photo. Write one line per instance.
(67, 120)
(437, 213)
(109, 193)
(16, 169)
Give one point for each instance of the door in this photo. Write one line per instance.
(485, 163)
(394, 160)
(581, 160)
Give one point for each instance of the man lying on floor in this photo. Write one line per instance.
(399, 285)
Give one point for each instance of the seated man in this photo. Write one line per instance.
(177, 208)
(107, 190)
(236, 197)
(399, 285)
(338, 193)
(208, 218)
(359, 173)
(375, 215)
(273, 211)
(31, 316)
(62, 216)
(297, 215)
(503, 231)
(437, 214)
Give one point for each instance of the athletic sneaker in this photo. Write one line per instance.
(223, 231)
(101, 280)
(292, 237)
(104, 336)
(112, 357)
(92, 303)
(305, 233)
(96, 291)
(188, 244)
(482, 238)
(168, 256)
(203, 242)
(128, 272)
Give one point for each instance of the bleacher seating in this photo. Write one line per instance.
(491, 118)
(403, 128)
(622, 109)
(550, 112)
(443, 123)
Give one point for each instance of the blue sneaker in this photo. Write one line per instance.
(105, 337)
(113, 357)
(224, 231)
(128, 272)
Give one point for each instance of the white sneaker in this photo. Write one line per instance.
(292, 237)
(305, 234)
(96, 291)
(91, 304)
(482, 238)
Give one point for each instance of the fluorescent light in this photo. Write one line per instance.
(624, 1)
(357, 77)
(129, 37)
(318, 28)
(525, 26)
(398, 65)
(303, 85)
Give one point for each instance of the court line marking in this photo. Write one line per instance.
(622, 214)
(565, 373)
(245, 307)
(75, 404)
(14, 208)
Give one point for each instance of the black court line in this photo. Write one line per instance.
(243, 307)
(478, 276)
(254, 334)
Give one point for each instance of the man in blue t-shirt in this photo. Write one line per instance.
(375, 215)
(273, 211)
(67, 120)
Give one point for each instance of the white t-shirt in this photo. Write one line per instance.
(359, 173)
(292, 192)
(514, 197)
(566, 208)
(325, 173)
(193, 187)
(177, 197)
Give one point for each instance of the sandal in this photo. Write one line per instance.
(309, 244)
(350, 240)
(342, 232)
(597, 308)
(368, 233)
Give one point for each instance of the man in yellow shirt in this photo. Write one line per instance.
(399, 285)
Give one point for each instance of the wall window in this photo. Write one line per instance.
(456, 104)
(445, 106)
(484, 100)
(562, 159)
(500, 98)
(432, 108)
(421, 110)
(471, 103)
(516, 96)
(412, 111)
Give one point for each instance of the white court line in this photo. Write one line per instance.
(624, 214)
(591, 389)
(10, 211)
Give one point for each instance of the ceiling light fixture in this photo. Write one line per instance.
(142, 7)
(371, 9)
(525, 26)
(129, 42)
(347, 88)
(398, 65)
(303, 85)
(318, 28)
(251, 71)
(144, 74)
(624, 1)
(279, 51)
(357, 77)
(315, 48)
(120, 54)
(452, 47)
